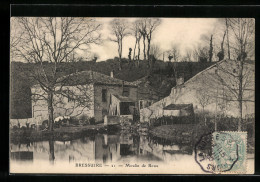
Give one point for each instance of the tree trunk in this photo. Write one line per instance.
(148, 52)
(228, 40)
(222, 43)
(138, 55)
(216, 111)
(204, 117)
(144, 47)
(239, 127)
(163, 56)
(210, 49)
(134, 49)
(175, 73)
(50, 110)
(120, 55)
(51, 154)
(240, 96)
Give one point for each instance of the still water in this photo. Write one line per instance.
(103, 153)
(120, 150)
(101, 147)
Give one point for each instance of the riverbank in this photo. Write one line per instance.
(188, 133)
(62, 133)
(178, 133)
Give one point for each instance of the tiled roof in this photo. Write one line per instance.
(84, 77)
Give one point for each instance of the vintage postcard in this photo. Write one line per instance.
(132, 95)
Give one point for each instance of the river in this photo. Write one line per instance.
(88, 154)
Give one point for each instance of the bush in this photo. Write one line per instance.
(45, 124)
(84, 119)
(92, 121)
(169, 120)
(74, 121)
(225, 123)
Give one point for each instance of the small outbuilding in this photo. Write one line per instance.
(178, 110)
(122, 109)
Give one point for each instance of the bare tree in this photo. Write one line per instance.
(151, 25)
(188, 55)
(143, 32)
(15, 36)
(241, 37)
(137, 35)
(155, 50)
(227, 30)
(52, 40)
(174, 53)
(201, 54)
(120, 30)
(221, 53)
(211, 48)
(204, 99)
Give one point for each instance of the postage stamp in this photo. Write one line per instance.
(229, 152)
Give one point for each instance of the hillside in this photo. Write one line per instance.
(160, 79)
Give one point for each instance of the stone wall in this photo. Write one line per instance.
(102, 108)
(62, 105)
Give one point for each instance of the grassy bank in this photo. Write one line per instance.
(62, 133)
(189, 133)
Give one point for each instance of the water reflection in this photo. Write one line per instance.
(51, 154)
(101, 148)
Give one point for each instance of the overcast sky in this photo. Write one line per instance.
(185, 32)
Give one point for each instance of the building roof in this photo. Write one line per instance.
(250, 62)
(178, 106)
(85, 77)
(123, 98)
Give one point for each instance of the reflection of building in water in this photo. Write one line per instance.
(101, 148)
(22, 155)
(166, 152)
(128, 144)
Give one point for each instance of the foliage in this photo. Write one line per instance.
(170, 120)
(92, 121)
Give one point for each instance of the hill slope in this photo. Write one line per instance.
(160, 78)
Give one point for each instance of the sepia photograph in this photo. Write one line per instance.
(143, 95)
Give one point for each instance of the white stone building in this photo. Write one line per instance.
(210, 90)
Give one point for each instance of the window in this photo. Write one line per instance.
(125, 108)
(126, 91)
(104, 95)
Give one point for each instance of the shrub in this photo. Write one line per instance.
(74, 121)
(84, 119)
(169, 120)
(45, 124)
(92, 121)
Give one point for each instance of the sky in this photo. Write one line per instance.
(185, 32)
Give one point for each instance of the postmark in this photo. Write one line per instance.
(203, 153)
(222, 152)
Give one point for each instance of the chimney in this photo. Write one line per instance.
(112, 74)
